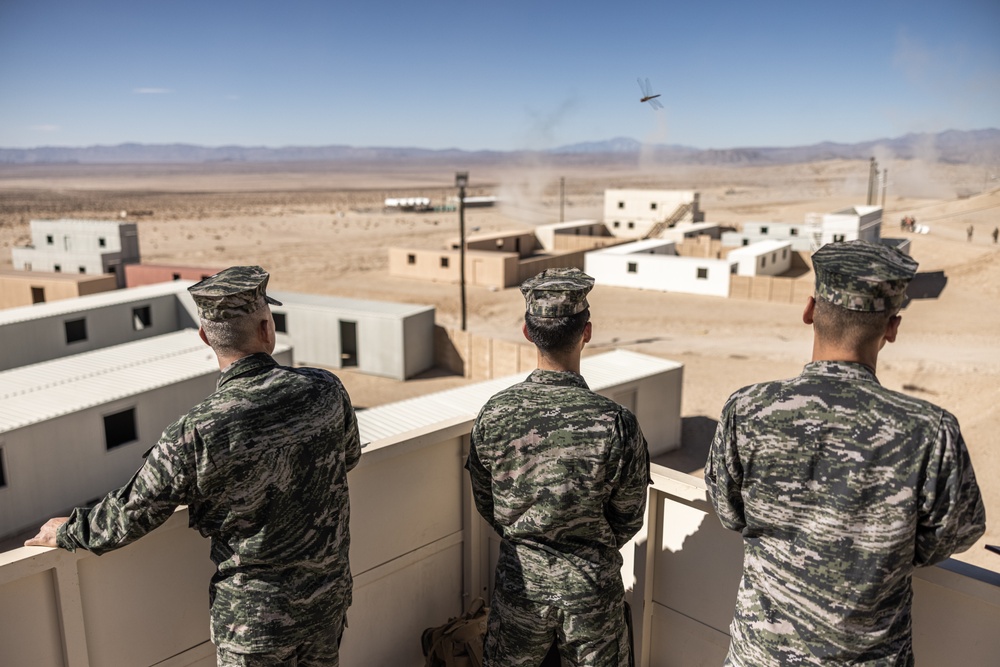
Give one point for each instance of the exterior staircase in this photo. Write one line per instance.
(682, 211)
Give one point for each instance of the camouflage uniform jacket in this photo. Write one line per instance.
(840, 488)
(560, 473)
(262, 466)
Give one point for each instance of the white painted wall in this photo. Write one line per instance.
(764, 258)
(858, 222)
(658, 271)
(632, 213)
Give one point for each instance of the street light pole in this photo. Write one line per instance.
(461, 180)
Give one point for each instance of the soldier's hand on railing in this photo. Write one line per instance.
(46, 536)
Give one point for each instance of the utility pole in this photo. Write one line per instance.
(872, 171)
(562, 197)
(461, 180)
(885, 182)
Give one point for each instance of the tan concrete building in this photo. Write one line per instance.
(504, 259)
(146, 274)
(24, 288)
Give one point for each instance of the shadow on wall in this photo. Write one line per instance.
(927, 285)
(696, 438)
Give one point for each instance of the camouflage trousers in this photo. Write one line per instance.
(321, 650)
(519, 633)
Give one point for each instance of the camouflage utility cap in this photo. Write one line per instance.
(863, 276)
(557, 292)
(232, 293)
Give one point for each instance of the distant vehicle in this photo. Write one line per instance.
(647, 94)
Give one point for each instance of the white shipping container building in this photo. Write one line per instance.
(803, 236)
(383, 338)
(74, 428)
(849, 224)
(79, 246)
(376, 337)
(45, 331)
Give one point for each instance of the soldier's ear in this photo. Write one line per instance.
(892, 328)
(588, 332)
(527, 336)
(204, 338)
(807, 314)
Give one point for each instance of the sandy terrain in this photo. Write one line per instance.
(321, 229)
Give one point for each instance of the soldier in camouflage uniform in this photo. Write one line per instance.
(840, 486)
(262, 466)
(561, 474)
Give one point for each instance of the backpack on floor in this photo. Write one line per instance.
(459, 642)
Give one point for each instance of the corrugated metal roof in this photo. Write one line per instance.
(91, 301)
(394, 419)
(35, 393)
(346, 304)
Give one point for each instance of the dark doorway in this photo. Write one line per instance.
(348, 343)
(37, 295)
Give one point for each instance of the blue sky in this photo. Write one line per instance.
(492, 75)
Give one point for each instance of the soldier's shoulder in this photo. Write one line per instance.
(760, 392)
(318, 374)
(920, 407)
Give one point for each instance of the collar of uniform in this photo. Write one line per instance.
(848, 370)
(246, 365)
(567, 378)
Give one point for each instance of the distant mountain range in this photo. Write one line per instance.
(953, 146)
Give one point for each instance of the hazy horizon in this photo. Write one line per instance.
(518, 76)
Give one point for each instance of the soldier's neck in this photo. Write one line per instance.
(565, 362)
(826, 351)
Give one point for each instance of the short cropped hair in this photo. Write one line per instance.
(236, 335)
(849, 327)
(556, 334)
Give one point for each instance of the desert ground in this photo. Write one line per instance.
(321, 228)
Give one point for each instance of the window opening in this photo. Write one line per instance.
(76, 330)
(348, 343)
(119, 428)
(142, 318)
